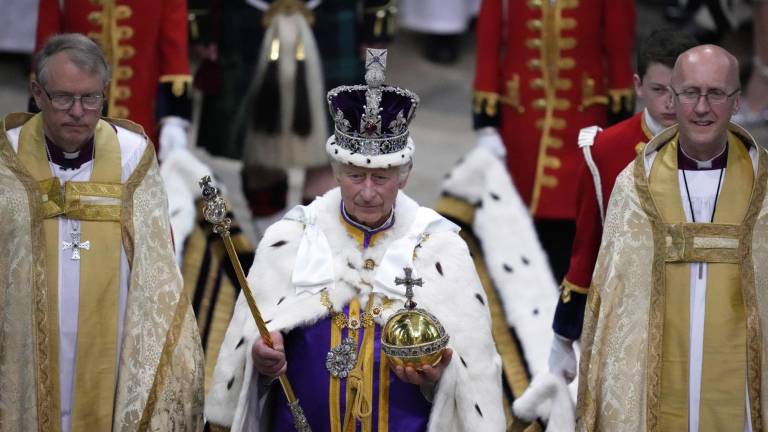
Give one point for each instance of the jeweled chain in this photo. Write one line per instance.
(342, 321)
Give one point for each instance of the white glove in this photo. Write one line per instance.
(562, 358)
(547, 398)
(489, 139)
(173, 135)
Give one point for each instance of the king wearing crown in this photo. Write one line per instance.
(329, 275)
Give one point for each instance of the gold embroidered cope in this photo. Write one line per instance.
(634, 364)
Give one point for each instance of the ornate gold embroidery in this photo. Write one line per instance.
(568, 287)
(551, 17)
(171, 339)
(698, 242)
(50, 198)
(129, 188)
(657, 301)
(621, 99)
(586, 391)
(512, 97)
(749, 290)
(485, 102)
(46, 364)
(588, 96)
(180, 84)
(658, 287)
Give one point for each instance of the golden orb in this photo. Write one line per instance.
(413, 336)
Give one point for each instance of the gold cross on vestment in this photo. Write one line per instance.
(76, 245)
(409, 283)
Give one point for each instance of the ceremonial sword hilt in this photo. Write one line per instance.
(215, 212)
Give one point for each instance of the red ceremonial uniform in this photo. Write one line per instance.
(613, 149)
(145, 44)
(546, 69)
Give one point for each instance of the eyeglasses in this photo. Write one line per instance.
(65, 102)
(692, 95)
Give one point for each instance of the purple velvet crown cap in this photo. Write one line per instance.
(371, 121)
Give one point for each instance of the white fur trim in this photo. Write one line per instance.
(232, 399)
(514, 257)
(547, 398)
(381, 161)
(587, 137)
(181, 172)
(399, 254)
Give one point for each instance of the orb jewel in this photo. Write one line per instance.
(413, 336)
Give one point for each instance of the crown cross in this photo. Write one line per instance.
(409, 283)
(375, 58)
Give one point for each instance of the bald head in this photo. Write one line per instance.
(705, 80)
(707, 57)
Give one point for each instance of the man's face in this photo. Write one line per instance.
(654, 90)
(369, 194)
(703, 123)
(69, 128)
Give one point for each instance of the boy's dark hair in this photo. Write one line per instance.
(663, 46)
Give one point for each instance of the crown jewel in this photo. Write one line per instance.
(372, 120)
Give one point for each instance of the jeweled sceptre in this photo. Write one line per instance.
(215, 212)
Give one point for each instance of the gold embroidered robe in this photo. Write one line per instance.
(626, 340)
(159, 372)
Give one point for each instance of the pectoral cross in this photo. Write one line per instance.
(76, 245)
(409, 283)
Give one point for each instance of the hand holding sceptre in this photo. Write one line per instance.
(215, 212)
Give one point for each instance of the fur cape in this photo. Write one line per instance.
(520, 275)
(468, 396)
(513, 255)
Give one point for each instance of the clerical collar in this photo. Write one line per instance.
(69, 161)
(654, 127)
(685, 162)
(363, 232)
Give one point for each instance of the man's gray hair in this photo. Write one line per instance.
(81, 51)
(402, 173)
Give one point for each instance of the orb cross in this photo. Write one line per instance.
(409, 283)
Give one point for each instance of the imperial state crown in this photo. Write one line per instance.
(371, 121)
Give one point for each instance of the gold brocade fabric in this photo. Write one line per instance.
(159, 372)
(724, 350)
(625, 343)
(96, 350)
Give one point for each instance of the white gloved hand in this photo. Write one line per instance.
(173, 135)
(562, 358)
(489, 138)
(547, 398)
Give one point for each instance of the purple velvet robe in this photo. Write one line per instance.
(408, 409)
